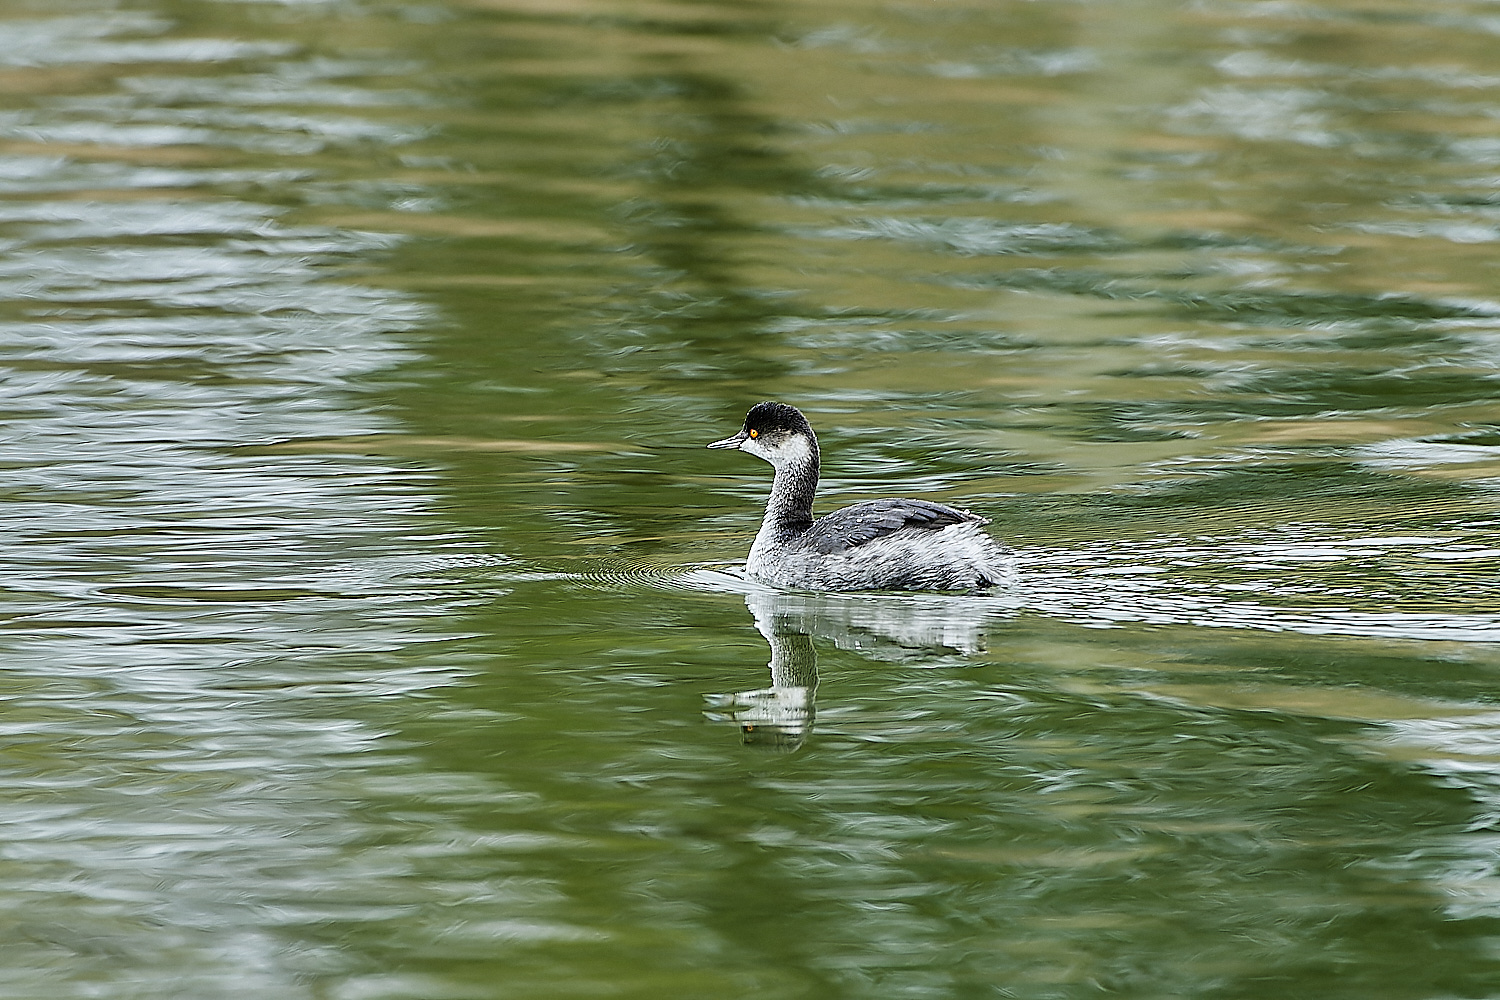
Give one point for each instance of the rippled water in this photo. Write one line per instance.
(374, 624)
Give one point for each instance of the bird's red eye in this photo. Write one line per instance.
(755, 434)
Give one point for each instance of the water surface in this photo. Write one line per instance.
(373, 628)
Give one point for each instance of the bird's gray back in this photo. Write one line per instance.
(862, 523)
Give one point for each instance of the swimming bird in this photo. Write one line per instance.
(876, 545)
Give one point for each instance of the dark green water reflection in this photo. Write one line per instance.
(371, 628)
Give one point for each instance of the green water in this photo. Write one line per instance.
(371, 628)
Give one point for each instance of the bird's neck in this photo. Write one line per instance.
(789, 508)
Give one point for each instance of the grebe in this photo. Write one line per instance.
(876, 545)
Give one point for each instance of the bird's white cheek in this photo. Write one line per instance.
(755, 448)
(796, 450)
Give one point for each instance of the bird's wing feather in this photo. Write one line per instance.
(864, 522)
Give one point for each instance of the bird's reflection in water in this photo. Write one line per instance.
(930, 630)
(779, 716)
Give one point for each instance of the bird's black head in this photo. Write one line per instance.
(775, 419)
(775, 432)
